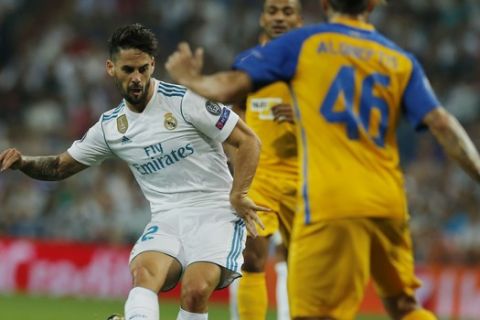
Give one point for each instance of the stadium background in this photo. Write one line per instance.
(53, 86)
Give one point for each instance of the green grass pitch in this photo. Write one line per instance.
(22, 307)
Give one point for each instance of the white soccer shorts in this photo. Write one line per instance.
(217, 237)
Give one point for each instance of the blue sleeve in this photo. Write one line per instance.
(418, 98)
(276, 61)
(242, 55)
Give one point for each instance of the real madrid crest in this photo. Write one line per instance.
(122, 123)
(170, 121)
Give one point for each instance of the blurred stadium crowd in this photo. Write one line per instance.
(53, 86)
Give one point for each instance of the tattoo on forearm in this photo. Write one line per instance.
(44, 168)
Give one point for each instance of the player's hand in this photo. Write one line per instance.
(183, 65)
(10, 158)
(283, 113)
(247, 210)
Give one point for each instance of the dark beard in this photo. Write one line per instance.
(140, 101)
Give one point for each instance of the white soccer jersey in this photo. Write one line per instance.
(173, 148)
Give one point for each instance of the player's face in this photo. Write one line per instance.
(279, 16)
(132, 70)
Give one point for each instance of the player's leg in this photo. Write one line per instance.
(213, 243)
(328, 268)
(198, 283)
(286, 215)
(252, 288)
(154, 266)
(150, 272)
(252, 298)
(233, 305)
(392, 268)
(283, 311)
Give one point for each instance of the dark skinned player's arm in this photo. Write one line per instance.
(226, 87)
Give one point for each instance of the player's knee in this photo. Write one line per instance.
(253, 261)
(195, 294)
(142, 277)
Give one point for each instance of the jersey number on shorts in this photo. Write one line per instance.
(344, 83)
(148, 234)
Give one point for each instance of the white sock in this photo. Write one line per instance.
(142, 304)
(233, 291)
(283, 312)
(185, 315)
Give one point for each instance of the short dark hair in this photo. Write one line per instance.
(349, 6)
(298, 5)
(133, 36)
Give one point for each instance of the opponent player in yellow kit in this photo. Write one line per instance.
(269, 113)
(350, 85)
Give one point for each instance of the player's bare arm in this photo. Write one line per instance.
(185, 68)
(48, 168)
(230, 150)
(455, 141)
(246, 156)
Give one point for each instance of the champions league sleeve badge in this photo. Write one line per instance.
(213, 108)
(223, 118)
(170, 121)
(122, 124)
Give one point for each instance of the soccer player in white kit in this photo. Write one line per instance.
(172, 141)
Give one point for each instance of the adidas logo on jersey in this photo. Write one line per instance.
(125, 140)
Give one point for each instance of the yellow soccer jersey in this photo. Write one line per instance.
(350, 87)
(279, 145)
